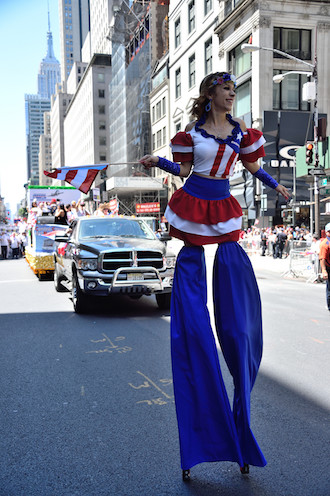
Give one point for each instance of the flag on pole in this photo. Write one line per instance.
(81, 177)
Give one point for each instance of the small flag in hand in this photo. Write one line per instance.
(81, 177)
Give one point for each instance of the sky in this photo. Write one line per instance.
(23, 44)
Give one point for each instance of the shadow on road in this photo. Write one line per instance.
(58, 439)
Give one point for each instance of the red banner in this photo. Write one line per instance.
(143, 208)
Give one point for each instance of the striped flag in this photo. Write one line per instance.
(81, 177)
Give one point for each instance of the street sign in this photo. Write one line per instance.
(316, 172)
(323, 182)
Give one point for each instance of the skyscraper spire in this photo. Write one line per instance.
(50, 50)
(49, 72)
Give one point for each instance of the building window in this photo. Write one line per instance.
(164, 136)
(239, 62)
(296, 42)
(192, 71)
(243, 99)
(208, 56)
(164, 106)
(102, 140)
(288, 94)
(177, 126)
(102, 109)
(178, 83)
(177, 33)
(153, 114)
(102, 125)
(154, 142)
(207, 6)
(159, 138)
(103, 158)
(101, 93)
(191, 16)
(100, 78)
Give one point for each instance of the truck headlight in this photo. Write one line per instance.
(87, 264)
(170, 262)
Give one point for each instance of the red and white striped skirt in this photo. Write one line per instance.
(204, 212)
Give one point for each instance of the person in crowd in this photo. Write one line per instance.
(14, 245)
(61, 215)
(203, 212)
(52, 207)
(22, 238)
(324, 257)
(263, 241)
(69, 214)
(4, 244)
(102, 210)
(81, 209)
(74, 210)
(280, 241)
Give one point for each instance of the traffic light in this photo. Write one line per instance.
(309, 153)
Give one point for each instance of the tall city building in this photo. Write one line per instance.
(74, 20)
(45, 152)
(36, 105)
(49, 71)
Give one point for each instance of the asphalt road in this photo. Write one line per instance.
(87, 401)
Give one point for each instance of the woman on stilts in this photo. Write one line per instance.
(203, 212)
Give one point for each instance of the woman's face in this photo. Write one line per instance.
(223, 97)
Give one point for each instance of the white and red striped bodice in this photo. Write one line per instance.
(217, 158)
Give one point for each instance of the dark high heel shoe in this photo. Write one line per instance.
(186, 475)
(245, 469)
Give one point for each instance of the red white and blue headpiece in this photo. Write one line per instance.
(224, 79)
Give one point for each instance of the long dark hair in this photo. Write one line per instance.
(206, 88)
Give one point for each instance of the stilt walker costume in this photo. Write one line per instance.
(204, 212)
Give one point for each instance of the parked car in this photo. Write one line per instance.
(100, 256)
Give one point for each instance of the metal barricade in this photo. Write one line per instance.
(251, 245)
(303, 262)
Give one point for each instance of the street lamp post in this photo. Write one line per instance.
(248, 48)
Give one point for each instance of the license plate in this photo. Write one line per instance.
(135, 276)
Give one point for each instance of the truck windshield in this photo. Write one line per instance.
(114, 227)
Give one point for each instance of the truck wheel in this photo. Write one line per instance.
(163, 300)
(57, 280)
(79, 299)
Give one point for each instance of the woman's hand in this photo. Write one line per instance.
(284, 192)
(149, 161)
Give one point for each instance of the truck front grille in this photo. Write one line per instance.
(112, 261)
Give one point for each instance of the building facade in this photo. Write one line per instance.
(45, 152)
(74, 21)
(297, 28)
(86, 122)
(35, 107)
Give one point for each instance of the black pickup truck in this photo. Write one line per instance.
(101, 256)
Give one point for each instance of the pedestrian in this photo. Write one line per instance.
(203, 212)
(280, 243)
(325, 261)
(263, 240)
(14, 245)
(4, 245)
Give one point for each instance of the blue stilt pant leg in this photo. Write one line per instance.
(206, 425)
(237, 309)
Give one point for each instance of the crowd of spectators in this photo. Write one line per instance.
(277, 241)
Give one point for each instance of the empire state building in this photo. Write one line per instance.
(49, 71)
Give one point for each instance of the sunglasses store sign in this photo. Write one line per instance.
(144, 208)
